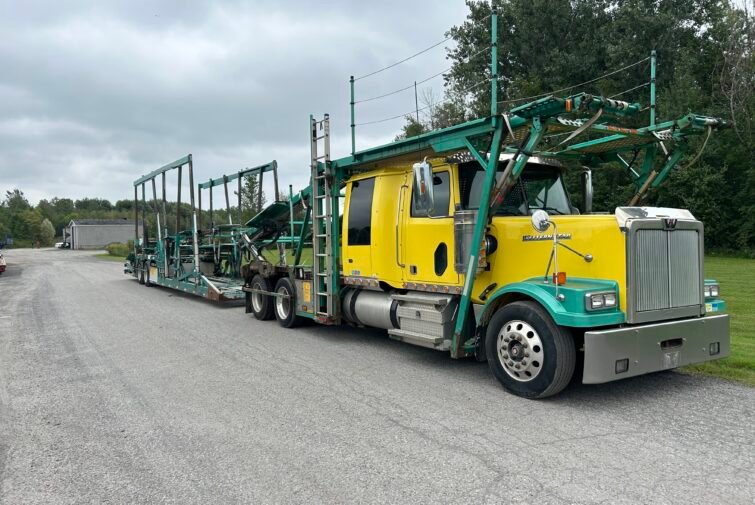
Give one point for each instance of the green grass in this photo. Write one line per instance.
(272, 256)
(109, 257)
(737, 279)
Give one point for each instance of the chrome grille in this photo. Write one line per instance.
(685, 268)
(665, 271)
(652, 270)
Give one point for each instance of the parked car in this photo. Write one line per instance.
(59, 245)
(2, 263)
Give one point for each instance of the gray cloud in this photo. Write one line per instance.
(95, 95)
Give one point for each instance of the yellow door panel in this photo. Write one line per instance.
(428, 242)
(389, 190)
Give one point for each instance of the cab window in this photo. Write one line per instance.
(441, 196)
(360, 212)
(539, 187)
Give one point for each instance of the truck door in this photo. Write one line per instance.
(428, 242)
(357, 258)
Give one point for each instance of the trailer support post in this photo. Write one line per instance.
(178, 203)
(194, 216)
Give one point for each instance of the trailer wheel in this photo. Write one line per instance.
(141, 274)
(285, 306)
(528, 353)
(261, 305)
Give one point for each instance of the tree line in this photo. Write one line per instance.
(706, 64)
(42, 224)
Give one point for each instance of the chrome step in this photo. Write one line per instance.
(420, 339)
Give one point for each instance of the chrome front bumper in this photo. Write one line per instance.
(653, 347)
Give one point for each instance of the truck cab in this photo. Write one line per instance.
(617, 288)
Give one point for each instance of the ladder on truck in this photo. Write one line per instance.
(324, 266)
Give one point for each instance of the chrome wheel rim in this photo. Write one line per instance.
(257, 299)
(282, 303)
(520, 350)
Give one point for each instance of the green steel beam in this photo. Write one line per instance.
(494, 63)
(267, 167)
(671, 162)
(652, 87)
(647, 165)
(440, 141)
(519, 162)
(481, 223)
(165, 168)
(302, 236)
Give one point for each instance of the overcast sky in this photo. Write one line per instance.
(95, 94)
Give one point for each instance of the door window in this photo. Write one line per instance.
(441, 196)
(360, 211)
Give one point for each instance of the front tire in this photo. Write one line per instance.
(262, 306)
(528, 353)
(285, 305)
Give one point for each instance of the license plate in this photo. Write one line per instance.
(672, 359)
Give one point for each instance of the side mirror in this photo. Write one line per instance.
(586, 190)
(540, 220)
(423, 187)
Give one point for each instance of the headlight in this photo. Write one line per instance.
(597, 301)
(609, 299)
(711, 290)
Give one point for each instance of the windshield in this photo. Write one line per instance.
(539, 187)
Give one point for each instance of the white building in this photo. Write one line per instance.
(97, 233)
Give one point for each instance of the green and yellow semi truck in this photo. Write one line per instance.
(465, 240)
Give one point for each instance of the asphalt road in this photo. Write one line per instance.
(111, 392)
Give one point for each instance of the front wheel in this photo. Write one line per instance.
(285, 303)
(528, 353)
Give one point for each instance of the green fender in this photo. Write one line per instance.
(571, 311)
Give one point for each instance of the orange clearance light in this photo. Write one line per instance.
(559, 278)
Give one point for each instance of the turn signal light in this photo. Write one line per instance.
(559, 278)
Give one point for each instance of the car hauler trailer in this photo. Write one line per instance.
(464, 240)
(205, 262)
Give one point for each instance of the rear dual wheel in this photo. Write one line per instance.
(261, 305)
(528, 353)
(285, 303)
